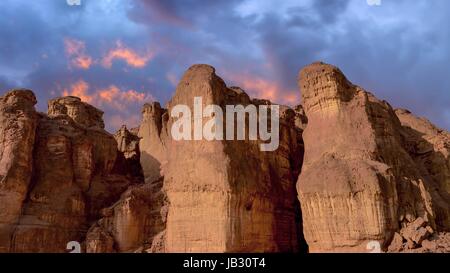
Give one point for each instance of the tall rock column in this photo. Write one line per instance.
(18, 121)
(228, 196)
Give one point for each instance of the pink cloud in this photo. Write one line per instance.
(121, 52)
(76, 52)
(79, 89)
(122, 105)
(120, 100)
(263, 88)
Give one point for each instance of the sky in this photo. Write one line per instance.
(119, 54)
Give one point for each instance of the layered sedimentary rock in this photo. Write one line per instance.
(131, 224)
(154, 135)
(18, 121)
(358, 181)
(72, 158)
(128, 160)
(429, 146)
(228, 196)
(364, 172)
(137, 221)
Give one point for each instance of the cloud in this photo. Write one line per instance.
(75, 50)
(121, 52)
(119, 99)
(79, 89)
(264, 88)
(399, 51)
(121, 106)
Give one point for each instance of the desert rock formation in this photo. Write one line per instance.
(359, 183)
(65, 161)
(18, 122)
(349, 169)
(231, 197)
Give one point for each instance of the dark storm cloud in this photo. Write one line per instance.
(399, 50)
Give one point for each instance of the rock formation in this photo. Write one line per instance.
(72, 158)
(358, 181)
(208, 196)
(18, 122)
(348, 170)
(128, 159)
(231, 197)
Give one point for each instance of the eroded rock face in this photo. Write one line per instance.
(429, 146)
(207, 196)
(81, 112)
(153, 134)
(131, 223)
(363, 171)
(18, 121)
(128, 160)
(72, 159)
(358, 183)
(228, 196)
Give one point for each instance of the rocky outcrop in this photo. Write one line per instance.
(228, 196)
(137, 221)
(130, 223)
(128, 160)
(347, 170)
(18, 121)
(71, 157)
(153, 133)
(80, 112)
(429, 146)
(358, 182)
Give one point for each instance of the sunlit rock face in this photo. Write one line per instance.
(348, 170)
(18, 121)
(228, 196)
(358, 181)
(58, 172)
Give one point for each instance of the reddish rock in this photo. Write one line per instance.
(72, 158)
(358, 181)
(396, 244)
(228, 196)
(18, 121)
(364, 173)
(128, 160)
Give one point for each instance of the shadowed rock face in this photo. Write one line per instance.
(358, 182)
(128, 160)
(153, 138)
(429, 146)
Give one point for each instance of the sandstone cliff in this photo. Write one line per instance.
(348, 170)
(209, 196)
(65, 160)
(359, 183)
(231, 197)
(18, 122)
